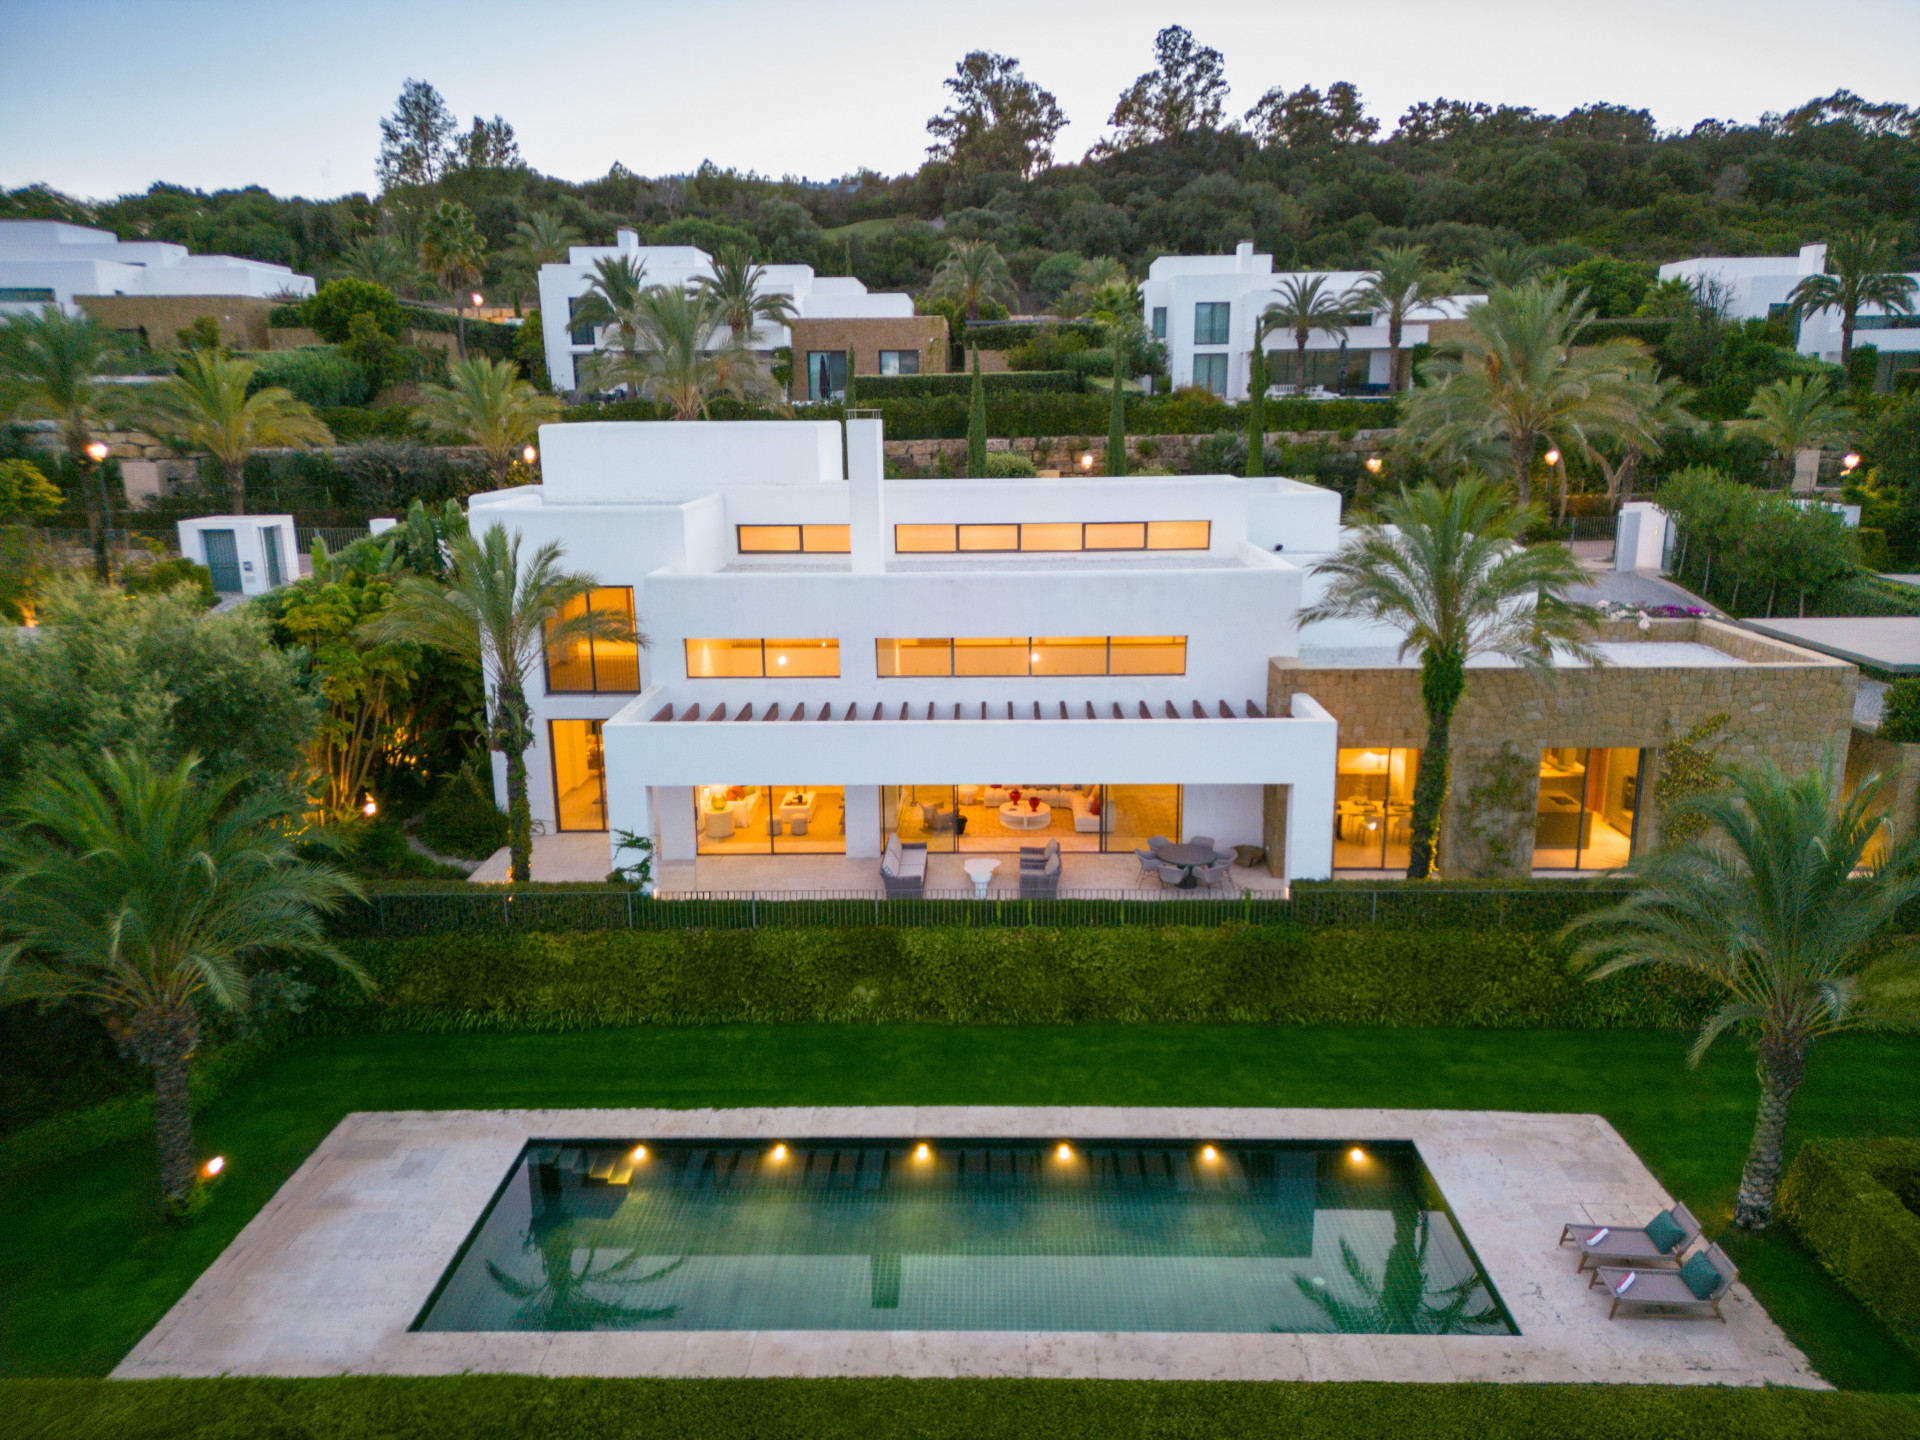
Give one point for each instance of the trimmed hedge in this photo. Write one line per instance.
(868, 388)
(1262, 974)
(496, 1407)
(1009, 334)
(1850, 1200)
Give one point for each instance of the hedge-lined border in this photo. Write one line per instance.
(1836, 1194)
(496, 1407)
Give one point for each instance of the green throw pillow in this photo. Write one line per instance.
(1665, 1232)
(1699, 1276)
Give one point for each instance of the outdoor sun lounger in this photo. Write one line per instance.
(1630, 1244)
(1666, 1291)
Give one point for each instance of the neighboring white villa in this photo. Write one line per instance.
(1204, 307)
(815, 297)
(1758, 285)
(47, 262)
(836, 658)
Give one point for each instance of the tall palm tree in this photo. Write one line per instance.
(541, 239)
(1772, 905)
(1094, 278)
(206, 405)
(143, 895)
(734, 289)
(1302, 305)
(1401, 283)
(498, 612)
(487, 401)
(677, 357)
(380, 260)
(1518, 379)
(1505, 266)
(612, 299)
(1660, 406)
(451, 247)
(1447, 570)
(52, 367)
(1797, 414)
(973, 274)
(1860, 271)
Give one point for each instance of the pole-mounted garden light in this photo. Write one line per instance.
(97, 451)
(1850, 461)
(1553, 457)
(478, 299)
(530, 454)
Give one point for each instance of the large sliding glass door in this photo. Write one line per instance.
(770, 819)
(579, 775)
(1589, 808)
(1373, 808)
(997, 819)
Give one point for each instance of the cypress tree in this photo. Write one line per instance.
(977, 425)
(848, 403)
(1117, 413)
(1257, 413)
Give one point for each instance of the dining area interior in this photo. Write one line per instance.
(1373, 808)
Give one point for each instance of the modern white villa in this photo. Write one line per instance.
(46, 262)
(1757, 286)
(835, 659)
(814, 297)
(1204, 308)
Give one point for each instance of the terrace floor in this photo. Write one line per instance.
(329, 1276)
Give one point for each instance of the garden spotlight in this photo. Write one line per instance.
(97, 451)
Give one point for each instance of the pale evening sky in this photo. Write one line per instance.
(100, 97)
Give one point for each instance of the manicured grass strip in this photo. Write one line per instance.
(85, 1270)
(496, 1407)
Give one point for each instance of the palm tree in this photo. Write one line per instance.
(143, 896)
(487, 401)
(500, 614)
(1797, 414)
(1303, 305)
(612, 299)
(1771, 905)
(451, 248)
(380, 260)
(541, 239)
(1662, 406)
(1091, 283)
(676, 358)
(1400, 284)
(207, 406)
(1446, 568)
(1860, 271)
(52, 368)
(734, 289)
(1502, 267)
(972, 275)
(1518, 378)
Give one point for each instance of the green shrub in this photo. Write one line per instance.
(461, 820)
(1005, 465)
(329, 312)
(1270, 974)
(351, 424)
(1008, 382)
(508, 1407)
(1874, 553)
(1847, 1200)
(166, 574)
(485, 337)
(1900, 712)
(379, 848)
(319, 376)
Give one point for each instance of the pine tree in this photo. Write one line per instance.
(977, 425)
(1117, 412)
(848, 402)
(1257, 413)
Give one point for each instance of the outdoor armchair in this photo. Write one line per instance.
(1697, 1288)
(1041, 884)
(1215, 874)
(1650, 1247)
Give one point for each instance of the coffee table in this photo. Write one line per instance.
(1021, 816)
(981, 873)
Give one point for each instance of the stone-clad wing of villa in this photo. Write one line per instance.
(836, 661)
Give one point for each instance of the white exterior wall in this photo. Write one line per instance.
(72, 260)
(1757, 283)
(655, 506)
(814, 297)
(1249, 283)
(249, 542)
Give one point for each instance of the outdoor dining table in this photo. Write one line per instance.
(1188, 857)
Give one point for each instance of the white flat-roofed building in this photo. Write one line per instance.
(48, 262)
(1205, 307)
(835, 658)
(1755, 287)
(814, 297)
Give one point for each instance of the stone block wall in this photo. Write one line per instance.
(867, 337)
(1783, 703)
(159, 318)
(1171, 453)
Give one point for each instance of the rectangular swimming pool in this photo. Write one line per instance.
(863, 1234)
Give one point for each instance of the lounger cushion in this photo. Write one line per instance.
(1665, 1232)
(1699, 1276)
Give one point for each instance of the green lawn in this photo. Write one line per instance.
(87, 1271)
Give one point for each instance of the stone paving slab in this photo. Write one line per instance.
(330, 1275)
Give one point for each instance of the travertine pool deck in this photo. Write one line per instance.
(328, 1277)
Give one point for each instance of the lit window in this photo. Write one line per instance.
(1147, 655)
(923, 539)
(1179, 534)
(826, 539)
(1129, 535)
(1034, 655)
(897, 658)
(798, 659)
(600, 664)
(724, 659)
(990, 656)
(789, 539)
(1068, 655)
(989, 537)
(579, 775)
(1050, 537)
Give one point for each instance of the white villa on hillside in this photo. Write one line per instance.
(815, 297)
(1204, 307)
(47, 262)
(835, 658)
(1757, 286)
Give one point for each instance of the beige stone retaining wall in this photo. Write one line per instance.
(1159, 452)
(1784, 703)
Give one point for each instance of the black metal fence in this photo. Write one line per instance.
(402, 914)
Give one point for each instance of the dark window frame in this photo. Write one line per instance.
(593, 658)
(765, 674)
(799, 526)
(1219, 330)
(553, 770)
(953, 649)
(1019, 527)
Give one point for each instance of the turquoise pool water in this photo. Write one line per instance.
(968, 1235)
